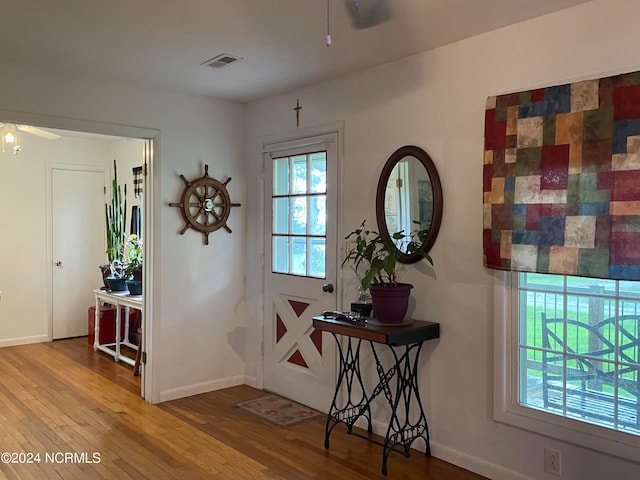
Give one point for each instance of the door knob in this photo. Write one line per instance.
(327, 288)
(58, 263)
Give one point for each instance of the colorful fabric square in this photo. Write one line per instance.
(561, 179)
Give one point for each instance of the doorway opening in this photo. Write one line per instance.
(53, 192)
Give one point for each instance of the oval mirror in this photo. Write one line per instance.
(409, 198)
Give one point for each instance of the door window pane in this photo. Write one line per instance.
(318, 215)
(318, 172)
(299, 215)
(317, 257)
(281, 215)
(298, 255)
(280, 255)
(281, 176)
(299, 171)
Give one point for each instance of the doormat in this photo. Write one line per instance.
(278, 410)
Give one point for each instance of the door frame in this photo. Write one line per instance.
(284, 141)
(149, 385)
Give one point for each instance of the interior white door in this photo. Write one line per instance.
(301, 188)
(78, 246)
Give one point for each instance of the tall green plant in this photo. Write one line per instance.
(116, 219)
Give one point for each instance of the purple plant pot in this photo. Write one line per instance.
(390, 304)
(105, 271)
(137, 274)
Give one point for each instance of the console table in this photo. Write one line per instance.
(118, 299)
(408, 421)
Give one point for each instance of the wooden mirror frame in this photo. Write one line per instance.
(424, 158)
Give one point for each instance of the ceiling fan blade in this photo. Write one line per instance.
(368, 13)
(38, 131)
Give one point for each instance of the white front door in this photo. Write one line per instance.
(301, 206)
(78, 246)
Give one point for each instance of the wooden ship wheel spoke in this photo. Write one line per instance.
(205, 204)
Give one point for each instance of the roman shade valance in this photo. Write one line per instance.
(561, 179)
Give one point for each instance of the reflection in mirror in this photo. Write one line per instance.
(409, 199)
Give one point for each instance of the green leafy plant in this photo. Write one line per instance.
(116, 220)
(379, 257)
(116, 269)
(134, 254)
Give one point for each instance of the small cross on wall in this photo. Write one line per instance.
(297, 109)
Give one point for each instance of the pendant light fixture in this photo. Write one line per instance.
(328, 36)
(10, 139)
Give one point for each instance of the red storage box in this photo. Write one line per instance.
(108, 323)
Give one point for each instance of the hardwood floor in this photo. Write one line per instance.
(59, 399)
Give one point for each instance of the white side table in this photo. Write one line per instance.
(117, 299)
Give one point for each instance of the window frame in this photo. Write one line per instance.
(507, 409)
(307, 195)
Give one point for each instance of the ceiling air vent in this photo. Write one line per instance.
(221, 60)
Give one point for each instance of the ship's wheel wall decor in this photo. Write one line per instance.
(205, 204)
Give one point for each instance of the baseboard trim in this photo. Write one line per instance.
(252, 381)
(474, 464)
(455, 457)
(198, 388)
(12, 342)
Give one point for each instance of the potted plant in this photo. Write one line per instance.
(117, 276)
(380, 259)
(115, 214)
(133, 270)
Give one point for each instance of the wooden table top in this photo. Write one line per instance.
(416, 331)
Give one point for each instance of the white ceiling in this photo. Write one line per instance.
(164, 42)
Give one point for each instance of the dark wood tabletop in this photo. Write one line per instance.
(415, 331)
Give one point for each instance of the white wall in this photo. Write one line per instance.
(199, 303)
(436, 100)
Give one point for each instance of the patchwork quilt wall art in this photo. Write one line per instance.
(561, 179)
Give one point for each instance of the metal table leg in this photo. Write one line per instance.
(410, 423)
(355, 405)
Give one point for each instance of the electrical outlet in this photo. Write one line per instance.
(552, 461)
